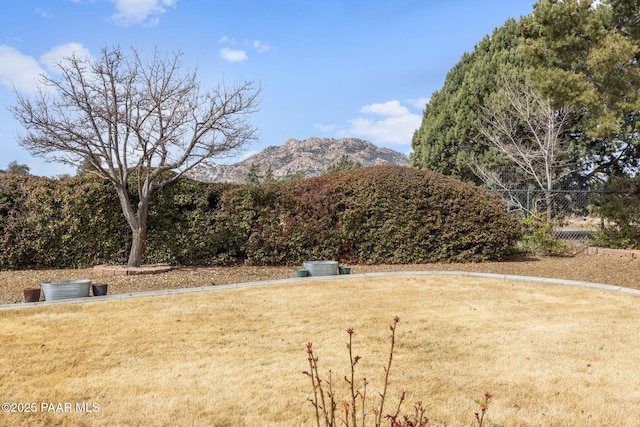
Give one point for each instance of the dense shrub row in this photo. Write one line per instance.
(383, 214)
(619, 206)
(78, 222)
(49, 223)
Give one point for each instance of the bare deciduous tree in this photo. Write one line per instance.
(134, 121)
(531, 133)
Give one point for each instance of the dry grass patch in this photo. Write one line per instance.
(551, 355)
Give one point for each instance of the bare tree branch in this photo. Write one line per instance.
(126, 115)
(530, 132)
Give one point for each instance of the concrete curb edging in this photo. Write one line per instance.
(113, 297)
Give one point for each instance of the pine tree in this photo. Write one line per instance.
(253, 175)
(586, 58)
(448, 138)
(344, 164)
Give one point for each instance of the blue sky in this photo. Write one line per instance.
(327, 68)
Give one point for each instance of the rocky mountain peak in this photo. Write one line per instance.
(310, 156)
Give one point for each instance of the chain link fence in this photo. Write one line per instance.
(573, 217)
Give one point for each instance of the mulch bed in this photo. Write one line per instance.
(612, 268)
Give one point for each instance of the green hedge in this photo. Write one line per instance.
(186, 227)
(51, 223)
(620, 207)
(382, 214)
(78, 222)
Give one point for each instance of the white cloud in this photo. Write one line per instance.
(24, 72)
(239, 55)
(324, 128)
(17, 69)
(260, 46)
(144, 12)
(225, 39)
(395, 124)
(232, 55)
(390, 108)
(59, 53)
(418, 102)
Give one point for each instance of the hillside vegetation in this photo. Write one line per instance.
(382, 214)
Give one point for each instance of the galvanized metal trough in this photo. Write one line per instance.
(64, 289)
(321, 268)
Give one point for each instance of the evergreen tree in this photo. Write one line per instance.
(87, 166)
(448, 138)
(253, 175)
(582, 56)
(585, 56)
(344, 164)
(15, 168)
(269, 178)
(581, 59)
(626, 18)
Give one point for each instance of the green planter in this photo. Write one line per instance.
(344, 270)
(301, 273)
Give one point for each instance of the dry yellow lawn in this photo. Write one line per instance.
(551, 355)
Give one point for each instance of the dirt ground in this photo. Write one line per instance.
(607, 269)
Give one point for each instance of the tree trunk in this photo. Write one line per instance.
(137, 221)
(139, 234)
(549, 202)
(548, 194)
(137, 247)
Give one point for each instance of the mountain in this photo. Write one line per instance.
(310, 156)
